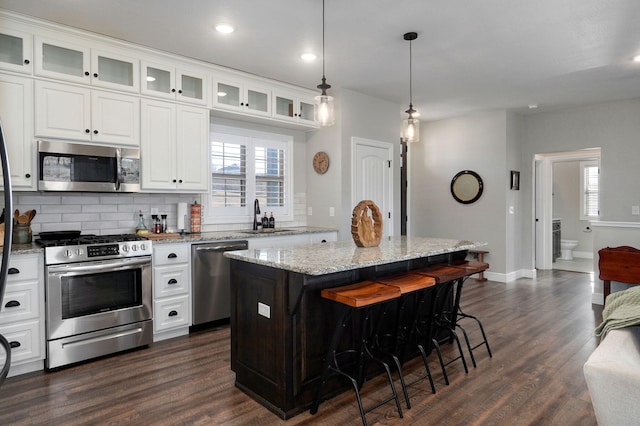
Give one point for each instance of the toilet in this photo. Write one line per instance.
(566, 249)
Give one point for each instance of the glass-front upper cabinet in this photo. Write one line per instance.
(174, 83)
(294, 108)
(74, 62)
(242, 96)
(16, 51)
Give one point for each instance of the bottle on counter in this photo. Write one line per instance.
(265, 221)
(272, 221)
(141, 228)
(163, 224)
(157, 226)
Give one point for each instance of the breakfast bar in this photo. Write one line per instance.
(281, 326)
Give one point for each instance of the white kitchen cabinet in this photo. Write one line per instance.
(175, 83)
(321, 237)
(77, 62)
(291, 240)
(294, 107)
(16, 51)
(241, 96)
(174, 147)
(171, 290)
(16, 112)
(22, 313)
(72, 112)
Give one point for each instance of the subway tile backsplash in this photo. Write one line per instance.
(104, 214)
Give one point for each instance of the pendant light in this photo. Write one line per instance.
(410, 126)
(324, 115)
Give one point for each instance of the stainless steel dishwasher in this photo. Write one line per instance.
(211, 280)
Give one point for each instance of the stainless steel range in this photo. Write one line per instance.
(98, 294)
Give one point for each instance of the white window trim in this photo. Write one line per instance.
(245, 214)
(583, 165)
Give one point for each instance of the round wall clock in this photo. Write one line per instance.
(321, 162)
(466, 187)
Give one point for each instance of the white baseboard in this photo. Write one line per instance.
(583, 254)
(511, 276)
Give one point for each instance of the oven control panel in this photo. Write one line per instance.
(87, 252)
(103, 250)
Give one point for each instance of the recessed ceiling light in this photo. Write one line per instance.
(533, 106)
(224, 28)
(636, 58)
(308, 57)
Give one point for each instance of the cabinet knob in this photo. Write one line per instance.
(86, 73)
(180, 91)
(174, 181)
(172, 281)
(13, 271)
(180, 181)
(173, 90)
(28, 175)
(12, 304)
(95, 132)
(173, 313)
(27, 62)
(95, 74)
(87, 131)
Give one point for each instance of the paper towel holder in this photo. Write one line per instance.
(181, 217)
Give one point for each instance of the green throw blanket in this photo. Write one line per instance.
(622, 309)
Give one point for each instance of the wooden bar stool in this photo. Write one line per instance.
(415, 306)
(357, 302)
(470, 267)
(446, 277)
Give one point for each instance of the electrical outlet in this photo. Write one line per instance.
(332, 211)
(154, 210)
(635, 210)
(309, 211)
(264, 310)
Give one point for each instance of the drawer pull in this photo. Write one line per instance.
(172, 281)
(173, 313)
(13, 271)
(172, 256)
(14, 344)
(12, 304)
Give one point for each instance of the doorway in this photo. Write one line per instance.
(543, 202)
(372, 178)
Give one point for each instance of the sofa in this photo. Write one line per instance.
(612, 373)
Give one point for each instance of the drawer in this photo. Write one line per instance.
(170, 281)
(27, 344)
(171, 313)
(21, 269)
(171, 254)
(21, 302)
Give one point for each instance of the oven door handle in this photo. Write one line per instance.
(107, 265)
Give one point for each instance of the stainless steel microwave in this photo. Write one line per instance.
(65, 166)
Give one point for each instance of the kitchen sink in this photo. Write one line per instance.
(268, 231)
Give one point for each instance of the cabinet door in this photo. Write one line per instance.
(115, 118)
(158, 80)
(228, 94)
(63, 111)
(257, 100)
(284, 107)
(16, 112)
(157, 144)
(192, 87)
(63, 60)
(306, 110)
(115, 71)
(16, 51)
(192, 148)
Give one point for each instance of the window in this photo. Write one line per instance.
(589, 195)
(248, 165)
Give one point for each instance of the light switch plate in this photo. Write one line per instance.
(635, 210)
(264, 310)
(332, 211)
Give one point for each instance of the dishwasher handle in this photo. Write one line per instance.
(229, 246)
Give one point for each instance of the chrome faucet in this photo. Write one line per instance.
(256, 213)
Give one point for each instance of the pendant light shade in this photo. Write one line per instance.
(410, 126)
(324, 112)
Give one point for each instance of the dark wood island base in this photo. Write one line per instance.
(281, 326)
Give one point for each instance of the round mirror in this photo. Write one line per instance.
(466, 187)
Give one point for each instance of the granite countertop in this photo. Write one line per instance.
(326, 258)
(204, 236)
(243, 234)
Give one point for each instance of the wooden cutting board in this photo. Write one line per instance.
(162, 236)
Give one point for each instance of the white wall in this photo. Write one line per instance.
(477, 142)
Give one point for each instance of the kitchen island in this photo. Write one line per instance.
(281, 326)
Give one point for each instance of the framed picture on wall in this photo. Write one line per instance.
(515, 180)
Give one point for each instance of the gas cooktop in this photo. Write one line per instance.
(89, 239)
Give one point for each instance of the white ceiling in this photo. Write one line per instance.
(469, 55)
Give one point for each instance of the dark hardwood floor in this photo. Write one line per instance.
(540, 331)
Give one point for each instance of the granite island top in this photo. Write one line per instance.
(327, 258)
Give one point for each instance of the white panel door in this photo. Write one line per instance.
(372, 177)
